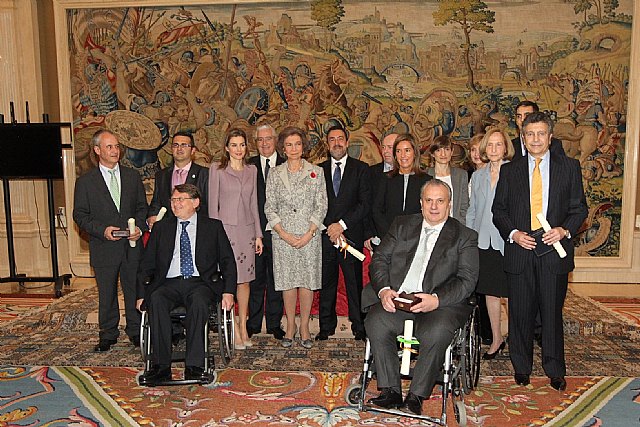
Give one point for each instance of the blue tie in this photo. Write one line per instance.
(186, 260)
(337, 177)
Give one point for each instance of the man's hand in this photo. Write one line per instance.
(139, 303)
(227, 301)
(107, 233)
(428, 303)
(524, 240)
(151, 220)
(367, 244)
(554, 235)
(334, 231)
(386, 298)
(136, 235)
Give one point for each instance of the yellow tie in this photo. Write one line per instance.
(536, 195)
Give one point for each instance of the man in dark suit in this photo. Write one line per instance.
(435, 258)
(349, 198)
(263, 285)
(183, 257)
(377, 172)
(552, 184)
(104, 200)
(182, 171)
(523, 109)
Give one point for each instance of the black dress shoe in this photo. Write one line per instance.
(360, 336)
(491, 356)
(388, 398)
(322, 336)
(277, 333)
(155, 375)
(104, 345)
(521, 379)
(194, 373)
(413, 404)
(559, 383)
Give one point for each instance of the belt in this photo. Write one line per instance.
(183, 277)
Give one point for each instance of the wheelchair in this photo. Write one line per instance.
(460, 374)
(220, 320)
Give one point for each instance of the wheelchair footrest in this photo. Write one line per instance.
(206, 379)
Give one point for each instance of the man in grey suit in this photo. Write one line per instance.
(551, 184)
(105, 198)
(435, 258)
(182, 171)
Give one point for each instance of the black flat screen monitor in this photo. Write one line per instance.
(31, 151)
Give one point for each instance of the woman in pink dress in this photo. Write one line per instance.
(233, 199)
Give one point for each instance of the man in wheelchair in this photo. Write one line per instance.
(434, 258)
(183, 257)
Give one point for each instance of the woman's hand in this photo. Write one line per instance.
(259, 245)
(303, 240)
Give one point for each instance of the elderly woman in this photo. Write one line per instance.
(399, 190)
(296, 204)
(233, 199)
(495, 149)
(457, 178)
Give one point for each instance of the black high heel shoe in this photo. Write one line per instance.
(491, 356)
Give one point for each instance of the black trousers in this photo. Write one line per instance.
(351, 268)
(197, 297)
(263, 297)
(537, 289)
(108, 309)
(434, 330)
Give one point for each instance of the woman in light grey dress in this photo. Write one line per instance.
(296, 204)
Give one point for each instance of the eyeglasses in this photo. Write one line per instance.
(180, 199)
(183, 145)
(265, 139)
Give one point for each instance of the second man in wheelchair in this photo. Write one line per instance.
(183, 258)
(435, 258)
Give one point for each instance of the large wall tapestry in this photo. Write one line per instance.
(427, 67)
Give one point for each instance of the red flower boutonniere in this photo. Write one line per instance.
(313, 175)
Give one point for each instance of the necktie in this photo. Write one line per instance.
(267, 166)
(337, 177)
(114, 189)
(413, 275)
(536, 195)
(186, 260)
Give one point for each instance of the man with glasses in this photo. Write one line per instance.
(263, 298)
(551, 184)
(523, 109)
(182, 171)
(182, 259)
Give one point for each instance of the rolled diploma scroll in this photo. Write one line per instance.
(161, 213)
(342, 244)
(406, 348)
(546, 227)
(132, 229)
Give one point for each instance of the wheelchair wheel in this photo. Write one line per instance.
(225, 334)
(145, 344)
(353, 395)
(472, 354)
(460, 412)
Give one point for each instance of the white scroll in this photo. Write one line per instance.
(161, 213)
(546, 227)
(132, 229)
(342, 245)
(406, 347)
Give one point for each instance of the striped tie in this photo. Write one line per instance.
(114, 189)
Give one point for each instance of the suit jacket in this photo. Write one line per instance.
(460, 181)
(198, 176)
(353, 203)
(262, 186)
(213, 253)
(94, 211)
(452, 271)
(566, 208)
(388, 201)
(233, 199)
(479, 216)
(555, 147)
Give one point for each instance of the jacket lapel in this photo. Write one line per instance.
(446, 239)
(104, 190)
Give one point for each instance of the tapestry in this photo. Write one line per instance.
(426, 67)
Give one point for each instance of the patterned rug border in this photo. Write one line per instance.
(39, 309)
(617, 315)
